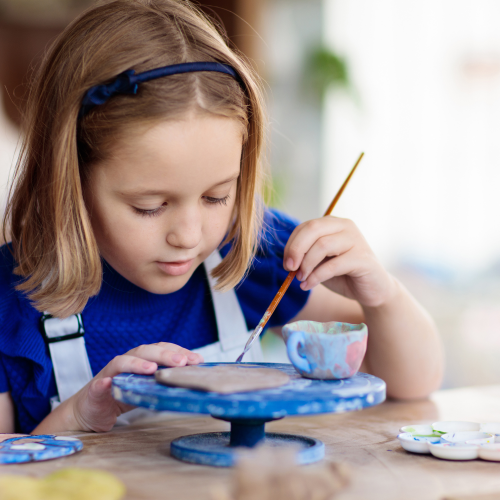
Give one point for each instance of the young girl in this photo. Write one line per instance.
(135, 213)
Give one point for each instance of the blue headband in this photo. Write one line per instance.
(128, 82)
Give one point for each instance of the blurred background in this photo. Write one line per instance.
(414, 84)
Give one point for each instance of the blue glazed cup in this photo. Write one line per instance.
(325, 350)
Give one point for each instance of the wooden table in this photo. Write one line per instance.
(365, 441)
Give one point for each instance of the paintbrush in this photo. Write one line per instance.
(284, 287)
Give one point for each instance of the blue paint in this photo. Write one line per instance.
(248, 412)
(247, 432)
(214, 448)
(41, 447)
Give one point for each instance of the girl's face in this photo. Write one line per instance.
(163, 201)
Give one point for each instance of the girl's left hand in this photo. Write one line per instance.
(333, 251)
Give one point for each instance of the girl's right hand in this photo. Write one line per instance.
(93, 408)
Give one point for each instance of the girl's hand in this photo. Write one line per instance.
(332, 251)
(93, 408)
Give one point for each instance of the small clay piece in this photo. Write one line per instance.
(267, 473)
(224, 379)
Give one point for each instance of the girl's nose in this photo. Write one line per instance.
(185, 230)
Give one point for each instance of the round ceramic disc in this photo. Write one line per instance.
(451, 426)
(420, 430)
(20, 448)
(470, 437)
(454, 451)
(490, 452)
(417, 444)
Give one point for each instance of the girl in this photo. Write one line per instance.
(135, 214)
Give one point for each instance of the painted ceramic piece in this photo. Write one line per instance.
(420, 430)
(454, 451)
(491, 428)
(490, 452)
(325, 351)
(471, 437)
(417, 444)
(446, 427)
(20, 448)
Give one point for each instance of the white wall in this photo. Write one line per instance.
(426, 111)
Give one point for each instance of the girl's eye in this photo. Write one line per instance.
(150, 213)
(217, 201)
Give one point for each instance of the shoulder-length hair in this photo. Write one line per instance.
(52, 237)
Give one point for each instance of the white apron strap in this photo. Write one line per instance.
(68, 353)
(231, 324)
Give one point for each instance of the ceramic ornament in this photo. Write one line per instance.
(490, 452)
(446, 427)
(21, 448)
(420, 430)
(325, 351)
(470, 437)
(225, 379)
(454, 451)
(417, 444)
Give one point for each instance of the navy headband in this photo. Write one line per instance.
(127, 82)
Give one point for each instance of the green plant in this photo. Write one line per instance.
(326, 69)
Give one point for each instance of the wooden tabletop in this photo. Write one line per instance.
(365, 441)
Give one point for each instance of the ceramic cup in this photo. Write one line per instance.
(325, 350)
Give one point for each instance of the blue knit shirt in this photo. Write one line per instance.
(123, 316)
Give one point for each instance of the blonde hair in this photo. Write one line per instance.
(52, 237)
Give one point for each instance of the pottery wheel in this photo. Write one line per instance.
(248, 412)
(223, 379)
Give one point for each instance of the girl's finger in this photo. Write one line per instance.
(304, 236)
(345, 264)
(323, 248)
(128, 364)
(99, 389)
(165, 356)
(193, 357)
(99, 393)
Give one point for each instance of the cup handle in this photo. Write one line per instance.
(292, 346)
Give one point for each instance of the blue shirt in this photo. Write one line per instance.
(123, 316)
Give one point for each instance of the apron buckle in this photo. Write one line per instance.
(58, 330)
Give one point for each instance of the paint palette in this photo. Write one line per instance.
(21, 448)
(453, 440)
(248, 412)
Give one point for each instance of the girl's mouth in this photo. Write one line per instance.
(175, 268)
